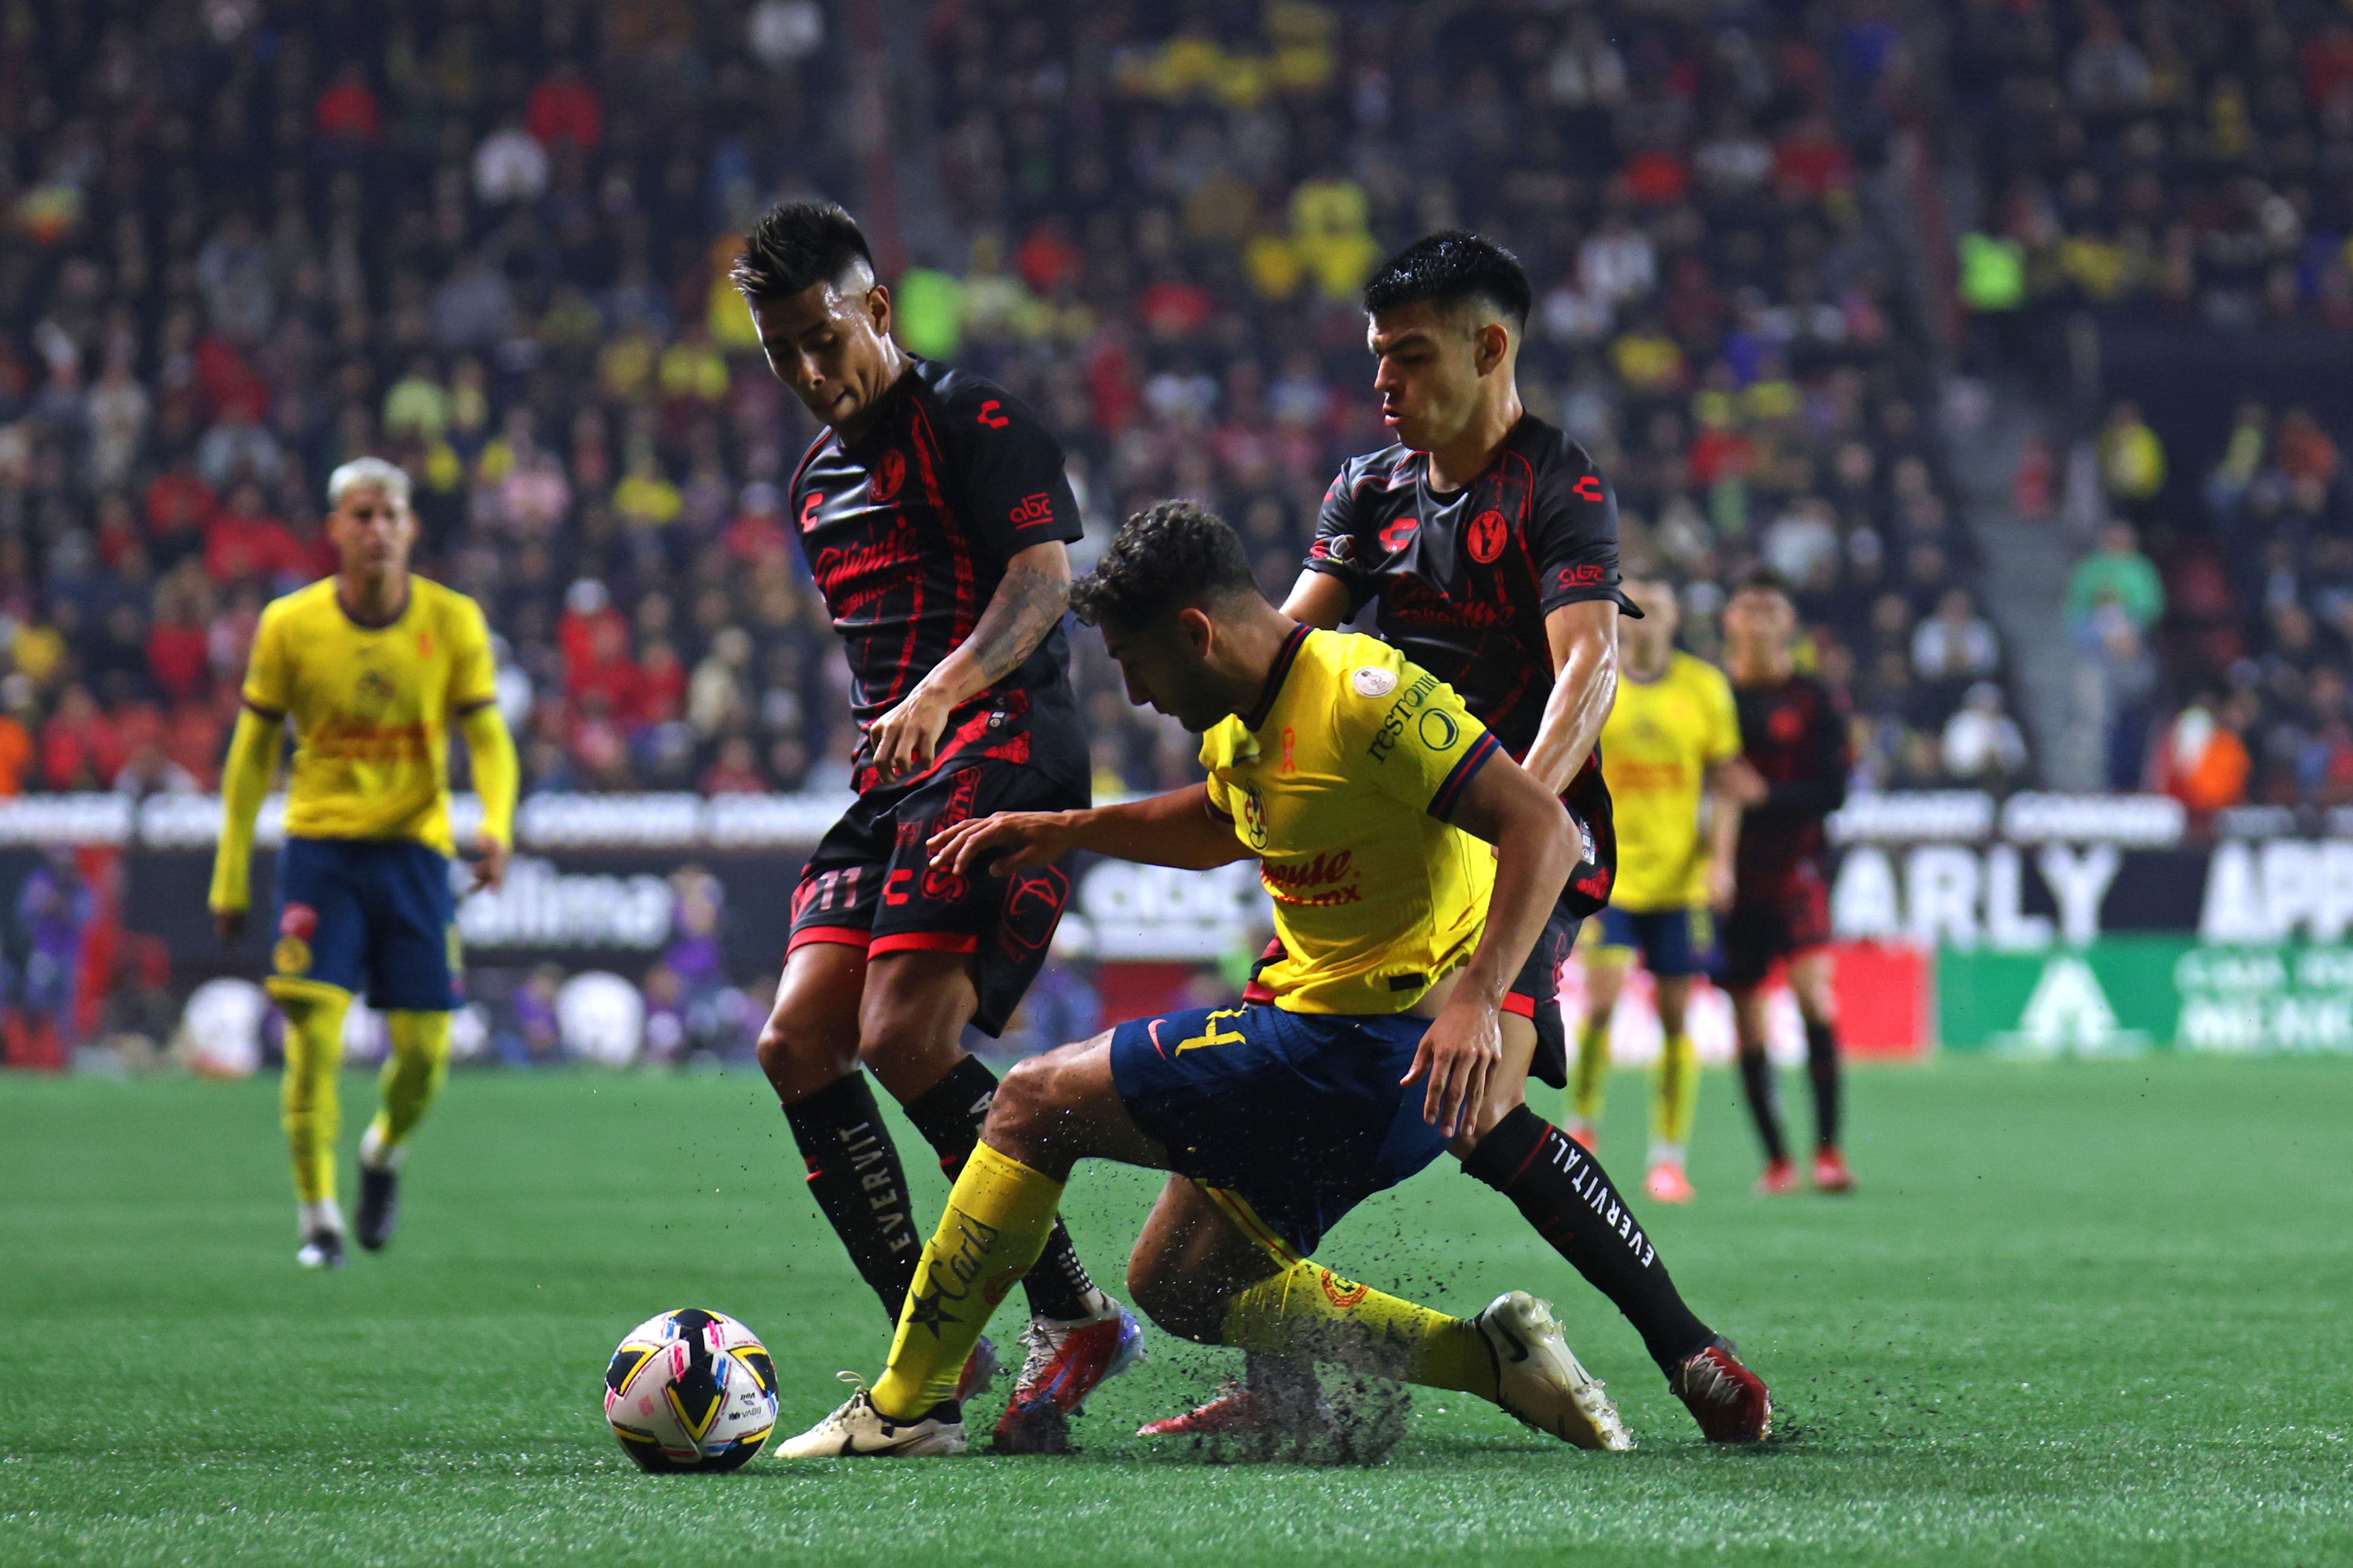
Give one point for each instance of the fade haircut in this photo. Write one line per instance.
(1173, 554)
(1450, 268)
(795, 245)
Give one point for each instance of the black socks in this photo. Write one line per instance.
(1765, 1096)
(1764, 1100)
(1823, 1069)
(1565, 1194)
(949, 1115)
(854, 1172)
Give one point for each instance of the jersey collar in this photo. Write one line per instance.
(1275, 677)
(408, 597)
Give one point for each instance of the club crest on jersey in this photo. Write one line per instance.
(1253, 814)
(374, 689)
(889, 475)
(1372, 680)
(1485, 536)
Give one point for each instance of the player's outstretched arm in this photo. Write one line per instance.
(1029, 603)
(498, 778)
(1178, 829)
(245, 781)
(1505, 805)
(1584, 640)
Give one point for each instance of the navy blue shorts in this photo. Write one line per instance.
(1674, 944)
(1300, 1113)
(368, 915)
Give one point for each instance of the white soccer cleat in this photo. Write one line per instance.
(321, 1249)
(857, 1430)
(1539, 1381)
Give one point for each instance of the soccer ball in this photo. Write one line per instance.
(690, 1390)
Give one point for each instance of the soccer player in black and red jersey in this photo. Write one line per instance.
(935, 516)
(1489, 543)
(1794, 737)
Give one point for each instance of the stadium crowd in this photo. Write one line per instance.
(2165, 161)
(247, 242)
(2190, 165)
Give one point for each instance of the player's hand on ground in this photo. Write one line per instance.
(1016, 838)
(231, 923)
(489, 858)
(1457, 1056)
(907, 738)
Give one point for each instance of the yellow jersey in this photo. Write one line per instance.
(1656, 747)
(371, 707)
(1341, 784)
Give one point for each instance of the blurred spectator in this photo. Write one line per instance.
(2117, 571)
(2132, 459)
(2204, 762)
(1981, 743)
(1956, 643)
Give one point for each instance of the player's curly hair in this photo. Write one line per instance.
(1169, 555)
(1453, 267)
(795, 245)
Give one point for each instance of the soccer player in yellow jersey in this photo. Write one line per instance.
(1671, 743)
(372, 665)
(1363, 787)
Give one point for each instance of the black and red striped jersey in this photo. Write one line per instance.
(1792, 735)
(1465, 579)
(907, 529)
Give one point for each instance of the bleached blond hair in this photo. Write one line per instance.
(389, 476)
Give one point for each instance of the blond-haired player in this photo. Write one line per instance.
(372, 666)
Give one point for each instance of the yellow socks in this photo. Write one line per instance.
(1674, 1099)
(414, 1071)
(1308, 1311)
(1592, 1080)
(314, 1052)
(999, 1217)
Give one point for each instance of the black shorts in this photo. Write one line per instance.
(869, 884)
(1759, 931)
(1536, 993)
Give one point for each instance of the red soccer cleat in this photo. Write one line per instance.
(1831, 1174)
(1779, 1180)
(1668, 1184)
(1728, 1401)
(1234, 1409)
(1067, 1361)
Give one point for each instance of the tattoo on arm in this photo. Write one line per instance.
(1029, 603)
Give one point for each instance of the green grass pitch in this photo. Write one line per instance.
(2090, 1313)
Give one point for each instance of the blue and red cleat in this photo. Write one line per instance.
(1067, 1361)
